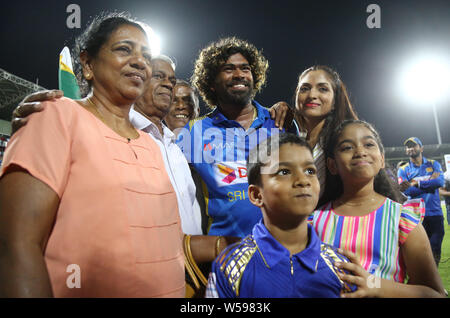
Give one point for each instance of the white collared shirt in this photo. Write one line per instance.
(178, 170)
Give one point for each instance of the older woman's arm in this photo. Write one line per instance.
(205, 248)
(27, 213)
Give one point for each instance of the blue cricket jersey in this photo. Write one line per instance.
(428, 189)
(218, 148)
(260, 267)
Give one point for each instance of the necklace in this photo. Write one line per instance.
(102, 117)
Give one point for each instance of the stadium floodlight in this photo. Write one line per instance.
(426, 81)
(153, 39)
(155, 43)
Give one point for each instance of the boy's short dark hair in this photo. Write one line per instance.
(257, 155)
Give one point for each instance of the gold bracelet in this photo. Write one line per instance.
(217, 250)
(191, 265)
(187, 262)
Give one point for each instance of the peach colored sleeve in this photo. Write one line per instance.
(42, 147)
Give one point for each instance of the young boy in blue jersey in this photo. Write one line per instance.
(283, 257)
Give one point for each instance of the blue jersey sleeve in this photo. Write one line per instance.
(414, 192)
(218, 286)
(411, 191)
(433, 184)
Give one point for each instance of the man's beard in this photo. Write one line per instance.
(241, 98)
(238, 98)
(414, 154)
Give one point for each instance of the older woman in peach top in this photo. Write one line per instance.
(86, 206)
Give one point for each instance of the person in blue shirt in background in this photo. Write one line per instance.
(283, 257)
(422, 178)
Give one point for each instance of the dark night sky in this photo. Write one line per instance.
(293, 35)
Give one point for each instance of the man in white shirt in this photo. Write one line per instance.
(147, 115)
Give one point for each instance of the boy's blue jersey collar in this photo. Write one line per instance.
(273, 252)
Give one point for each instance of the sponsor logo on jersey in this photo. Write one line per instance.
(229, 173)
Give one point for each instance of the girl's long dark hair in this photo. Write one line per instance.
(383, 184)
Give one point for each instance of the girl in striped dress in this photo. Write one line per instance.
(384, 239)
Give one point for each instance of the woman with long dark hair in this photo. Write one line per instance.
(321, 104)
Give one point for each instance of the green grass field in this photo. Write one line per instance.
(444, 266)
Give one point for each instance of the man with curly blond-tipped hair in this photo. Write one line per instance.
(228, 74)
(213, 57)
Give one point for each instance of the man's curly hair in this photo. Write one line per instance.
(212, 57)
